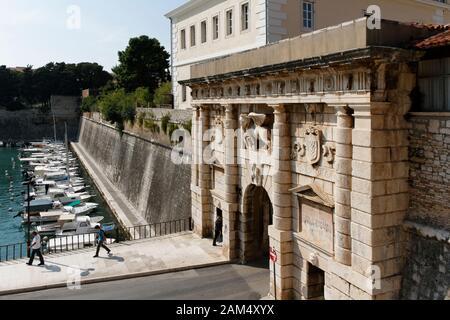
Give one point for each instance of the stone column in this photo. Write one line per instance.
(202, 220)
(231, 183)
(281, 232)
(343, 185)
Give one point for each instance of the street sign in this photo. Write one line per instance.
(273, 255)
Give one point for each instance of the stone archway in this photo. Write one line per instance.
(254, 224)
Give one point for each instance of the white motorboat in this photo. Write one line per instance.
(81, 225)
(83, 209)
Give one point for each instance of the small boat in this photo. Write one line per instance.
(39, 205)
(82, 209)
(81, 225)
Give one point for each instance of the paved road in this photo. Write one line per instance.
(228, 282)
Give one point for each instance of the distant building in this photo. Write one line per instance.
(18, 69)
(205, 29)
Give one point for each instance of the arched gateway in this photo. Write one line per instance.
(254, 225)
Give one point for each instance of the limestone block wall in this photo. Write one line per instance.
(427, 273)
(430, 169)
(141, 169)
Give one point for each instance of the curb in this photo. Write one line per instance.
(113, 278)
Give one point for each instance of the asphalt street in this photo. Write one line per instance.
(227, 282)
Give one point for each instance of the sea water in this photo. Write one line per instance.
(12, 198)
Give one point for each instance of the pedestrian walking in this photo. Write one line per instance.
(36, 249)
(101, 238)
(218, 228)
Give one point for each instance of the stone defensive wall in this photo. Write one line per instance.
(139, 164)
(31, 124)
(427, 273)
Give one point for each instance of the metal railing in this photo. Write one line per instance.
(84, 241)
(158, 229)
(13, 252)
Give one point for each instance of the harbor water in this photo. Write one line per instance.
(12, 198)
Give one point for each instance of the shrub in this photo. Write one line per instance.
(143, 97)
(165, 122)
(89, 104)
(152, 125)
(188, 126)
(163, 95)
(117, 107)
(140, 119)
(172, 127)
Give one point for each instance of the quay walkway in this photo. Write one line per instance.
(139, 258)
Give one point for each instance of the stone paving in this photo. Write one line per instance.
(130, 259)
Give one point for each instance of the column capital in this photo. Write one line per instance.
(278, 108)
(342, 109)
(371, 108)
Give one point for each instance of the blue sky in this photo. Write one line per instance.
(40, 31)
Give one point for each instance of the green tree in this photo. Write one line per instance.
(163, 95)
(9, 89)
(118, 107)
(143, 97)
(144, 63)
(88, 104)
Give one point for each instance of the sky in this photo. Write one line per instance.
(35, 32)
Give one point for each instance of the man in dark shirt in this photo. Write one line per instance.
(101, 238)
(218, 228)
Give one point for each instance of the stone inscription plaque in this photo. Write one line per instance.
(317, 225)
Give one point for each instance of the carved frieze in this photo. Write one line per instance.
(333, 81)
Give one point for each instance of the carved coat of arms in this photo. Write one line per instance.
(313, 145)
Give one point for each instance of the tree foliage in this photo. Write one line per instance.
(143, 97)
(118, 107)
(163, 95)
(21, 89)
(144, 63)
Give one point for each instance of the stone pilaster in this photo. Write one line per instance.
(281, 232)
(202, 220)
(231, 183)
(379, 196)
(343, 185)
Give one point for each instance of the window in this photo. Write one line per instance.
(308, 14)
(183, 39)
(183, 93)
(245, 16)
(192, 36)
(215, 27)
(203, 31)
(229, 16)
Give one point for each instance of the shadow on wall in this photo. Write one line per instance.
(427, 272)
